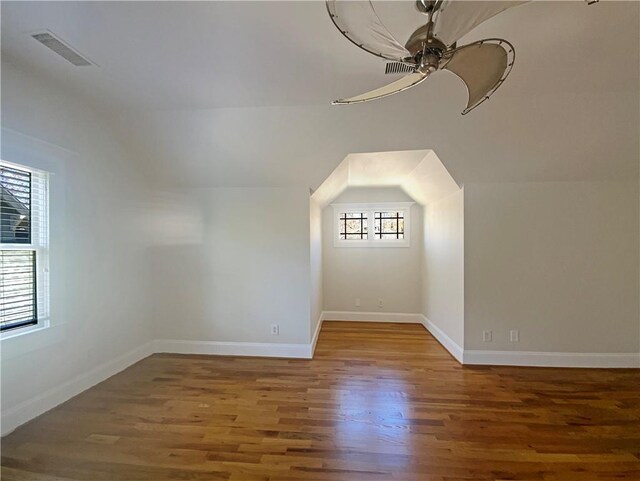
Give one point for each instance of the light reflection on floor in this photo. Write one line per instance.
(374, 416)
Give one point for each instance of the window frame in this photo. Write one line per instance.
(369, 209)
(39, 245)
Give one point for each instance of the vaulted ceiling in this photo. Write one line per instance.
(237, 93)
(420, 173)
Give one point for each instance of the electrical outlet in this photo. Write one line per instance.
(514, 335)
(380, 303)
(357, 302)
(275, 329)
(487, 336)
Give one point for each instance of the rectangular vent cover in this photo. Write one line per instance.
(397, 67)
(66, 52)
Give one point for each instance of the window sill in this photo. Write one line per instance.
(33, 338)
(22, 331)
(372, 244)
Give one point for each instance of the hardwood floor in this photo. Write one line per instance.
(378, 402)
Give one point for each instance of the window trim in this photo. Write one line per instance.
(369, 209)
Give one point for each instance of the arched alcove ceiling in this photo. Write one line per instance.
(420, 173)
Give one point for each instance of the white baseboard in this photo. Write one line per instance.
(553, 359)
(31, 408)
(372, 316)
(532, 358)
(227, 348)
(27, 410)
(449, 344)
(314, 340)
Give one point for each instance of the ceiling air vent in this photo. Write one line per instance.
(397, 68)
(48, 40)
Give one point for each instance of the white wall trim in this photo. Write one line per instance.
(553, 359)
(449, 344)
(314, 340)
(412, 318)
(228, 348)
(31, 408)
(532, 358)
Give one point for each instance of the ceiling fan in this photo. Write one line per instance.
(482, 66)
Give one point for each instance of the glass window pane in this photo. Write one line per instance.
(17, 289)
(353, 225)
(389, 225)
(15, 206)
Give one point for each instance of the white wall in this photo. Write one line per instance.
(371, 273)
(315, 251)
(443, 266)
(99, 272)
(242, 264)
(556, 260)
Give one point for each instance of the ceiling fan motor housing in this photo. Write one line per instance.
(429, 62)
(425, 49)
(416, 43)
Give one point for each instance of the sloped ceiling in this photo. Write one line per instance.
(237, 93)
(420, 173)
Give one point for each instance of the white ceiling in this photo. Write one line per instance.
(236, 93)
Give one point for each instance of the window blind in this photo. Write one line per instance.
(15, 192)
(24, 244)
(18, 290)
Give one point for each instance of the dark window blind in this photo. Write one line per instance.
(18, 299)
(15, 206)
(18, 302)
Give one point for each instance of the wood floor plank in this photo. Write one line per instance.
(378, 402)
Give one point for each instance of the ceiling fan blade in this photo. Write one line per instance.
(404, 83)
(359, 22)
(482, 66)
(456, 18)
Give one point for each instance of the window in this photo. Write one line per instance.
(372, 225)
(389, 225)
(24, 247)
(353, 225)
